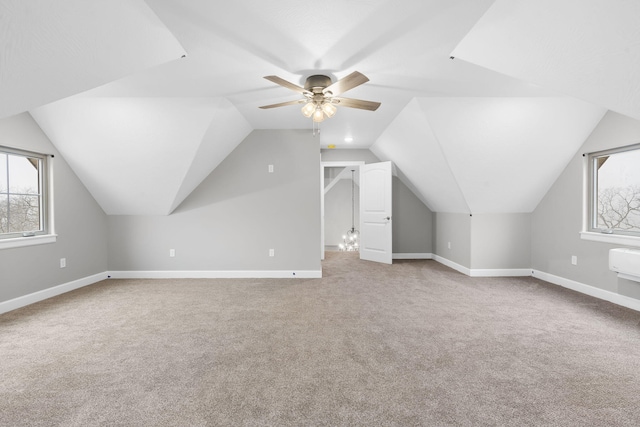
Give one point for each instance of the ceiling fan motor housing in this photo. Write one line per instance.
(317, 83)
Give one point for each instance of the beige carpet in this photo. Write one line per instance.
(414, 343)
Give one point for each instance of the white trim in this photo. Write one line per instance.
(586, 184)
(616, 239)
(451, 264)
(613, 297)
(484, 272)
(44, 294)
(500, 272)
(412, 256)
(19, 242)
(342, 163)
(51, 197)
(217, 274)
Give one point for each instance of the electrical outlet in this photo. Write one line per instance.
(172, 253)
(449, 245)
(270, 168)
(63, 262)
(574, 260)
(272, 252)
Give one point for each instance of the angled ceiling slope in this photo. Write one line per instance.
(485, 155)
(505, 153)
(142, 156)
(588, 49)
(409, 142)
(51, 50)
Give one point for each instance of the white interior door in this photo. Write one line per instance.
(375, 212)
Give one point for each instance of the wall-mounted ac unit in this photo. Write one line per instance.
(626, 262)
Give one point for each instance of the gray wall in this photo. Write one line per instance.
(557, 220)
(501, 241)
(412, 220)
(454, 228)
(236, 215)
(80, 223)
(484, 241)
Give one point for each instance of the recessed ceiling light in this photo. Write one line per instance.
(348, 139)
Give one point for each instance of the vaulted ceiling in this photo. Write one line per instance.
(145, 98)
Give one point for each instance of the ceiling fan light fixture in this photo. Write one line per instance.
(321, 95)
(318, 115)
(329, 109)
(308, 109)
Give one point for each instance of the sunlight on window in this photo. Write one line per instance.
(617, 191)
(21, 196)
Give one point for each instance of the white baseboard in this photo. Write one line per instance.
(412, 256)
(484, 272)
(612, 297)
(500, 272)
(217, 274)
(622, 300)
(451, 264)
(22, 301)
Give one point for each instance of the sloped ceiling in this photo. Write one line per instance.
(488, 131)
(486, 155)
(589, 49)
(142, 156)
(409, 142)
(51, 50)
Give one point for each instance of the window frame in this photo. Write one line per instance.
(590, 230)
(46, 233)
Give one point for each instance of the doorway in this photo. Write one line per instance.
(375, 198)
(336, 202)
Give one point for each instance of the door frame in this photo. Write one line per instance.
(323, 165)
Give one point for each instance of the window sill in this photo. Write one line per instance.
(614, 239)
(19, 242)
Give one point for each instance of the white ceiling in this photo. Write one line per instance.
(486, 155)
(488, 131)
(51, 50)
(585, 49)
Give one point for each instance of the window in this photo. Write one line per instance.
(23, 194)
(614, 191)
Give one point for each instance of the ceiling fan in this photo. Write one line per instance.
(321, 96)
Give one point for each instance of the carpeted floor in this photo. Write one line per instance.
(415, 343)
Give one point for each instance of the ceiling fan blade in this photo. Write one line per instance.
(282, 82)
(346, 83)
(357, 103)
(283, 104)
